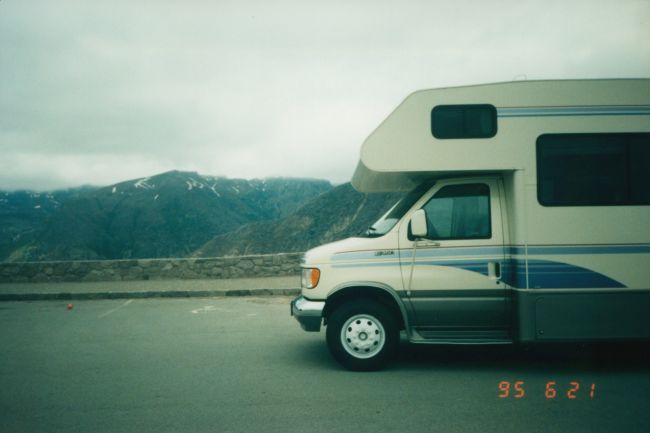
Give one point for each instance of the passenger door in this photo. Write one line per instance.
(454, 280)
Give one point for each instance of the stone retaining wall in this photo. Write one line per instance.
(270, 265)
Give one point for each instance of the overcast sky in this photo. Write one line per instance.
(100, 92)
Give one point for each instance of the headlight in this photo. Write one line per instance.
(310, 277)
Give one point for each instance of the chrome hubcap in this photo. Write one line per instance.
(363, 336)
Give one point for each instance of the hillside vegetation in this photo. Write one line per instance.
(182, 214)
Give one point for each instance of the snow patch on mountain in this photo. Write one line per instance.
(213, 187)
(142, 183)
(193, 183)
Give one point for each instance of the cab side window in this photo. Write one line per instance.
(459, 212)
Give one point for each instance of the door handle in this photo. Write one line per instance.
(426, 243)
(494, 270)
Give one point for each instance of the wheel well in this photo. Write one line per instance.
(350, 294)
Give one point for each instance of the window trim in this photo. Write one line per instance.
(489, 107)
(489, 210)
(555, 203)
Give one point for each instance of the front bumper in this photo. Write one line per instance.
(308, 313)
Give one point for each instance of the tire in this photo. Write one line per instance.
(362, 335)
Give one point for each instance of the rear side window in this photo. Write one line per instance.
(464, 121)
(593, 169)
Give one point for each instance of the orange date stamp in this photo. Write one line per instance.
(573, 390)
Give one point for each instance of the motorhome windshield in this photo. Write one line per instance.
(384, 224)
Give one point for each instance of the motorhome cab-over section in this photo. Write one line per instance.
(526, 218)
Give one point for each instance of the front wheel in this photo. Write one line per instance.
(362, 335)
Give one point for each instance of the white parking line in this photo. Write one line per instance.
(115, 309)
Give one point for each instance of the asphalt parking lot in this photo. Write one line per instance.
(244, 365)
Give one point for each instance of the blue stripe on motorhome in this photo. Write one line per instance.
(498, 250)
(623, 110)
(424, 253)
(578, 249)
(542, 274)
(545, 274)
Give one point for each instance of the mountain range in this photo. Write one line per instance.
(182, 214)
(336, 214)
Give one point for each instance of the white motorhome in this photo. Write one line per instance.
(527, 220)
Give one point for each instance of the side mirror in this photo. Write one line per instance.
(419, 224)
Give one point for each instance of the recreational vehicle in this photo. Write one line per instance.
(526, 218)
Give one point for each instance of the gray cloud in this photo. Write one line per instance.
(97, 93)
